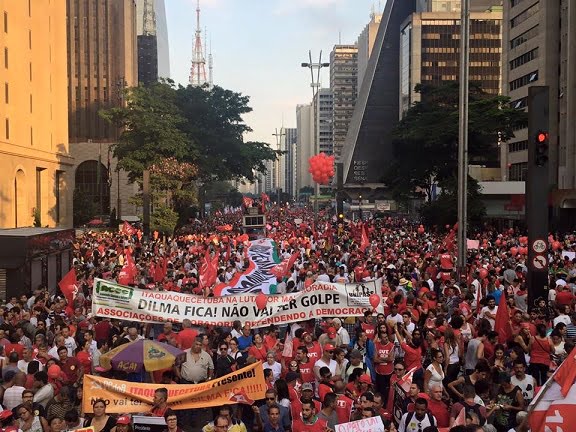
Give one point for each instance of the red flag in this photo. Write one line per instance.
(69, 286)
(158, 275)
(247, 202)
(208, 270)
(554, 405)
(240, 396)
(365, 241)
(128, 229)
(502, 325)
(228, 252)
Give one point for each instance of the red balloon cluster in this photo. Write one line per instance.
(321, 168)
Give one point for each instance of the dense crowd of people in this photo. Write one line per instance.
(436, 335)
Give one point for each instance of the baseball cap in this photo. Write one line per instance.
(365, 378)
(123, 420)
(328, 347)
(307, 386)
(331, 332)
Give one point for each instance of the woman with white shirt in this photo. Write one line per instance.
(272, 364)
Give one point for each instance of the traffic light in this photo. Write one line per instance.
(340, 217)
(541, 143)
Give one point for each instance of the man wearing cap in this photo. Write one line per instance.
(330, 337)
(325, 361)
(122, 422)
(307, 394)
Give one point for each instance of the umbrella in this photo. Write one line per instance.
(142, 353)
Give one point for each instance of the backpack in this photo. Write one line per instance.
(430, 417)
(349, 365)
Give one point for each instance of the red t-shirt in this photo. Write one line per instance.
(369, 329)
(319, 426)
(412, 356)
(85, 360)
(446, 262)
(344, 408)
(384, 351)
(314, 352)
(258, 353)
(102, 330)
(186, 338)
(71, 368)
(307, 372)
(296, 408)
(440, 411)
(14, 348)
(323, 390)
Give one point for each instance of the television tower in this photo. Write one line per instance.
(198, 68)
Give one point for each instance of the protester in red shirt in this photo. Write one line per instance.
(71, 367)
(306, 365)
(185, 338)
(384, 362)
(309, 421)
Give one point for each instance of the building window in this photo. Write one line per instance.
(6, 93)
(524, 80)
(524, 37)
(5, 22)
(30, 104)
(31, 136)
(523, 16)
(7, 129)
(59, 177)
(517, 146)
(6, 57)
(30, 71)
(524, 58)
(30, 39)
(519, 103)
(518, 171)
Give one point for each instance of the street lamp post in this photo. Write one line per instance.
(463, 136)
(315, 84)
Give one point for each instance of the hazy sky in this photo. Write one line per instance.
(258, 46)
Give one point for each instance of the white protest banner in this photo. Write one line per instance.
(262, 257)
(371, 424)
(321, 299)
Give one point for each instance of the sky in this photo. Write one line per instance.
(258, 47)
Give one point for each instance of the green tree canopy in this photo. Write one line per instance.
(425, 141)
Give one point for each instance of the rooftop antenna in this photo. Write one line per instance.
(210, 66)
(198, 68)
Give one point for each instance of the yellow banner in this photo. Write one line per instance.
(242, 386)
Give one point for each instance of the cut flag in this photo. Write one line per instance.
(502, 325)
(69, 286)
(128, 229)
(555, 404)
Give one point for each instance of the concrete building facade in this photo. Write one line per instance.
(324, 106)
(290, 158)
(37, 176)
(430, 52)
(153, 53)
(304, 145)
(344, 86)
(102, 61)
(365, 44)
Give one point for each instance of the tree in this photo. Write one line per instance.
(215, 130)
(150, 124)
(425, 141)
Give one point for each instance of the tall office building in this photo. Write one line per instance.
(540, 50)
(152, 31)
(304, 145)
(430, 50)
(37, 173)
(102, 61)
(290, 165)
(324, 105)
(365, 44)
(344, 86)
